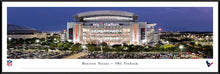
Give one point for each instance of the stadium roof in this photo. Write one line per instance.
(20, 29)
(107, 14)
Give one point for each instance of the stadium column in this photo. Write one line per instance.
(135, 33)
(77, 32)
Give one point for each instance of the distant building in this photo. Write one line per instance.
(171, 33)
(155, 37)
(112, 27)
(17, 32)
(63, 36)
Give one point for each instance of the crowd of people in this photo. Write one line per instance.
(139, 56)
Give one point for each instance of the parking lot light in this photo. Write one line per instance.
(9, 38)
(37, 41)
(84, 47)
(181, 47)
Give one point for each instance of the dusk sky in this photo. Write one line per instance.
(167, 18)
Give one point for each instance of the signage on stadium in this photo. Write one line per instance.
(106, 30)
(105, 24)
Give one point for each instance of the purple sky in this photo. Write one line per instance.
(167, 18)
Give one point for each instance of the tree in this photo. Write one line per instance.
(10, 45)
(60, 45)
(74, 48)
(208, 50)
(130, 48)
(44, 43)
(118, 49)
(106, 49)
(28, 41)
(46, 49)
(40, 48)
(91, 47)
(20, 41)
(138, 48)
(146, 48)
(97, 48)
(78, 44)
(53, 46)
(66, 46)
(125, 45)
(104, 44)
(157, 47)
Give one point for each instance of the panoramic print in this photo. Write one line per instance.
(110, 33)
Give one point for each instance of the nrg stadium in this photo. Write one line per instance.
(112, 27)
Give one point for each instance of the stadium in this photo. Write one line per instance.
(112, 27)
(22, 32)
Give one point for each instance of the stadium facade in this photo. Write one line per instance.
(112, 27)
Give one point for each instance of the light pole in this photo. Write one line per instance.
(167, 42)
(196, 43)
(9, 39)
(84, 47)
(160, 30)
(55, 40)
(181, 47)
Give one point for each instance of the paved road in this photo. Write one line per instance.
(77, 55)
